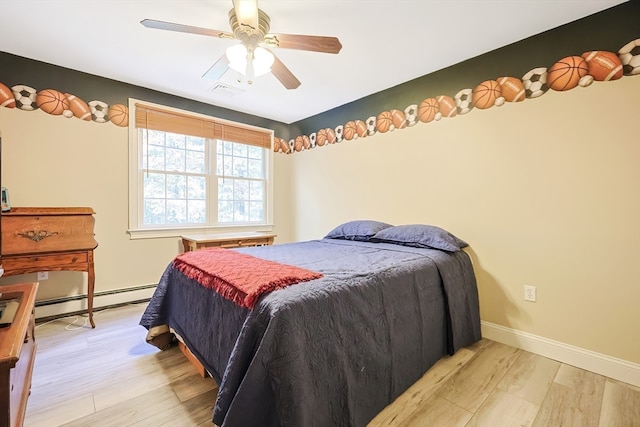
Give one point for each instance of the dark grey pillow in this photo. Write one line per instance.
(420, 236)
(360, 230)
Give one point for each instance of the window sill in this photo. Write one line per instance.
(162, 233)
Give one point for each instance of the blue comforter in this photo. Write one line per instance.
(333, 351)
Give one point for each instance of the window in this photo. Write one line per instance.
(194, 173)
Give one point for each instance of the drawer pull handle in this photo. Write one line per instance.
(37, 236)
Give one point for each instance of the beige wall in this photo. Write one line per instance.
(53, 161)
(546, 191)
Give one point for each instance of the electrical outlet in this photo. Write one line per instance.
(43, 275)
(529, 293)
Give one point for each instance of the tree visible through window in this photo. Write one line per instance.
(175, 178)
(240, 172)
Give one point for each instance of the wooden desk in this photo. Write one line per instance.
(227, 240)
(50, 239)
(17, 354)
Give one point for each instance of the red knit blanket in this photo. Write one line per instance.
(239, 277)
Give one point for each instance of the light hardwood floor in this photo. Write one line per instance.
(110, 376)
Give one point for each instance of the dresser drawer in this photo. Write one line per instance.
(73, 261)
(17, 354)
(244, 242)
(37, 233)
(20, 377)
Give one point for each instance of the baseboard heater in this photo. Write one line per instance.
(55, 308)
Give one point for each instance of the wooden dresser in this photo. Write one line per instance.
(17, 354)
(50, 239)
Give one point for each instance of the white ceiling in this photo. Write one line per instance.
(385, 43)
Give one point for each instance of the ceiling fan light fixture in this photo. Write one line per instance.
(250, 26)
(239, 56)
(262, 61)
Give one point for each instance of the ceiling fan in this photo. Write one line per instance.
(252, 56)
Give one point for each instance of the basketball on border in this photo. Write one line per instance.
(428, 109)
(349, 130)
(485, 94)
(301, 143)
(567, 72)
(118, 114)
(52, 101)
(321, 137)
(384, 121)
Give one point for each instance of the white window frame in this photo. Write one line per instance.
(137, 231)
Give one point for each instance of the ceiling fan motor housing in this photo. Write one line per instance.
(247, 34)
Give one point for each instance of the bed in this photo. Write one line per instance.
(332, 351)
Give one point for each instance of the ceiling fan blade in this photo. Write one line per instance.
(247, 12)
(218, 69)
(303, 42)
(170, 26)
(283, 74)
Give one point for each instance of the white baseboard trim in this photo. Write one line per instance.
(602, 364)
(59, 308)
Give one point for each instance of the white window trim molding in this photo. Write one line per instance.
(167, 232)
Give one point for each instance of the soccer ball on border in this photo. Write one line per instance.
(25, 97)
(371, 125)
(411, 114)
(535, 82)
(629, 55)
(99, 111)
(339, 133)
(464, 102)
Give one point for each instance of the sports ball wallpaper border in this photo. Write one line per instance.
(56, 103)
(565, 74)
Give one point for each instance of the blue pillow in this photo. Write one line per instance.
(420, 236)
(360, 230)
